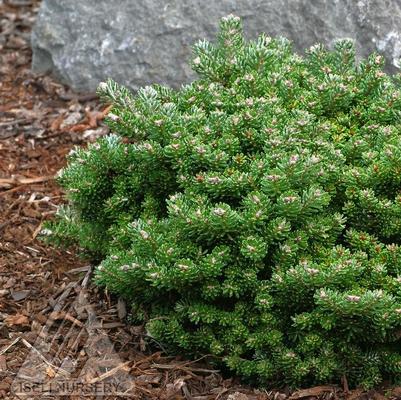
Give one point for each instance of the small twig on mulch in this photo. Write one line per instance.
(111, 372)
(184, 368)
(53, 367)
(15, 341)
(7, 183)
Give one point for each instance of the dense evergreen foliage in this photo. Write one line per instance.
(254, 214)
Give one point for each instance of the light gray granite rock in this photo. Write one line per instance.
(138, 42)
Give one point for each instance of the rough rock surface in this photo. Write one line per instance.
(145, 41)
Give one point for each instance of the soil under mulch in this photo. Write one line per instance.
(53, 321)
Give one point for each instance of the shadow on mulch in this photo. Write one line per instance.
(53, 323)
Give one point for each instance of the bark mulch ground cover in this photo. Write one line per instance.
(53, 321)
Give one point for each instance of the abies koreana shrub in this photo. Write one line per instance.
(254, 214)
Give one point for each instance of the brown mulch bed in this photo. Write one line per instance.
(46, 297)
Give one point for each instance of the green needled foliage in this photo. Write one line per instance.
(254, 214)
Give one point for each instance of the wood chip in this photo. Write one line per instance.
(121, 309)
(19, 294)
(62, 315)
(17, 319)
(312, 392)
(3, 363)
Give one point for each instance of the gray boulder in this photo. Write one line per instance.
(139, 42)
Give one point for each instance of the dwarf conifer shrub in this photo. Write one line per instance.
(254, 214)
